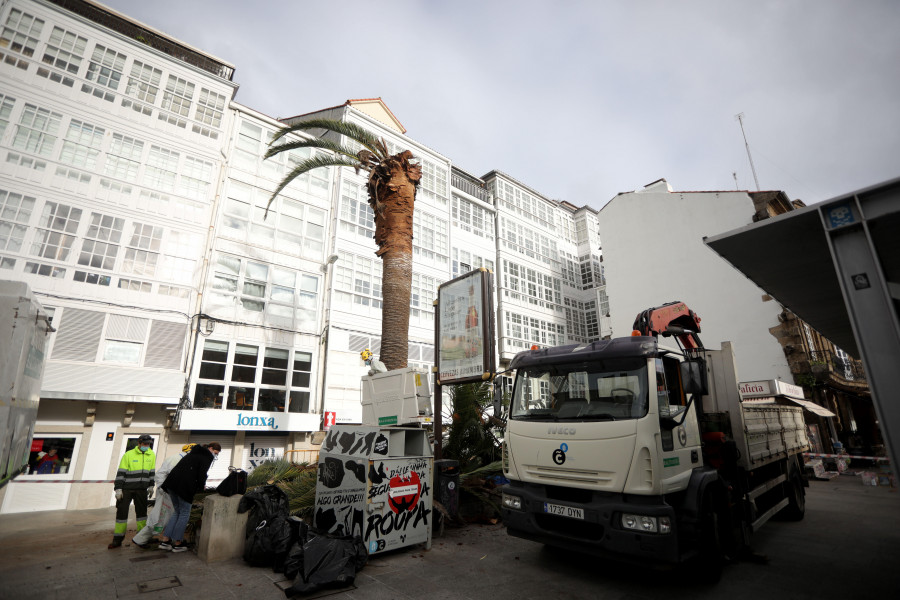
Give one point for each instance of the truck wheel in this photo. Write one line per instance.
(796, 496)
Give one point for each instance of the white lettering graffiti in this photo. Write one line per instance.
(383, 524)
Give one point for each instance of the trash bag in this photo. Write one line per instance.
(265, 502)
(327, 562)
(269, 543)
(235, 483)
(293, 562)
(270, 529)
(157, 519)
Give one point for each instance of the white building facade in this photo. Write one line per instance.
(660, 257)
(133, 199)
(110, 154)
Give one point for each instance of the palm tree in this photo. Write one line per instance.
(393, 181)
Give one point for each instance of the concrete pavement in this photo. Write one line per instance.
(848, 546)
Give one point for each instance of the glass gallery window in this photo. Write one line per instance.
(246, 377)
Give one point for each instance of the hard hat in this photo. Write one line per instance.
(187, 447)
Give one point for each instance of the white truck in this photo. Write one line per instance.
(24, 329)
(630, 448)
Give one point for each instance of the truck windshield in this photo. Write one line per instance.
(613, 390)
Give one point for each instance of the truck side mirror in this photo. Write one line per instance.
(498, 398)
(693, 377)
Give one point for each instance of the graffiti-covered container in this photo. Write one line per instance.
(375, 482)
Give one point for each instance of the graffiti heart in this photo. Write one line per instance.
(403, 492)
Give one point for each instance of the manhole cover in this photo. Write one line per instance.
(154, 585)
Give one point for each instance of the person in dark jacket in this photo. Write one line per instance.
(186, 479)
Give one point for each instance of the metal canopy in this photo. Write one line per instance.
(836, 265)
(812, 407)
(788, 257)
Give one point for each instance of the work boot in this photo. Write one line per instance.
(117, 541)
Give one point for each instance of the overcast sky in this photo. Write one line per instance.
(583, 100)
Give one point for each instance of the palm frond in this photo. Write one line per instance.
(301, 491)
(494, 468)
(272, 470)
(308, 165)
(319, 143)
(350, 130)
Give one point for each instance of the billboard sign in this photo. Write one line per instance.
(464, 328)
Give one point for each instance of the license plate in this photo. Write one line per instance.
(564, 511)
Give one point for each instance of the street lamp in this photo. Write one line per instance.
(324, 267)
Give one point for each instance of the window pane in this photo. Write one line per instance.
(302, 361)
(212, 371)
(227, 284)
(299, 402)
(240, 398)
(229, 264)
(217, 351)
(257, 271)
(245, 355)
(276, 358)
(243, 374)
(253, 305)
(300, 379)
(122, 352)
(309, 283)
(271, 400)
(281, 294)
(285, 278)
(257, 290)
(208, 396)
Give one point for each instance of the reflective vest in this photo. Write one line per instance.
(136, 470)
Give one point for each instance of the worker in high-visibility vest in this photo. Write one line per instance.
(134, 481)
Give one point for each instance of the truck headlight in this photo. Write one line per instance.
(511, 502)
(646, 524)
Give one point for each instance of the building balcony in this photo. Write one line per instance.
(469, 185)
(844, 372)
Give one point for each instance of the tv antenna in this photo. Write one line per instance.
(740, 119)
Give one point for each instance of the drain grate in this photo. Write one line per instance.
(154, 585)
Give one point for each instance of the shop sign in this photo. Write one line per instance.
(245, 420)
(750, 389)
(235, 420)
(770, 387)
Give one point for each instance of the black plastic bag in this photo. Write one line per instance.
(293, 562)
(327, 562)
(268, 544)
(265, 502)
(235, 483)
(270, 529)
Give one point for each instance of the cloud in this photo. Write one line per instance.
(582, 100)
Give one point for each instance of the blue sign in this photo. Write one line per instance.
(840, 215)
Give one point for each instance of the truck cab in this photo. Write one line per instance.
(637, 449)
(598, 435)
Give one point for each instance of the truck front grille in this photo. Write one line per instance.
(592, 479)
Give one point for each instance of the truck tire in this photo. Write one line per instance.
(796, 495)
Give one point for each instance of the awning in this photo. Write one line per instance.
(813, 407)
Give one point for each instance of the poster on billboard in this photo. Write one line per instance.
(464, 328)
